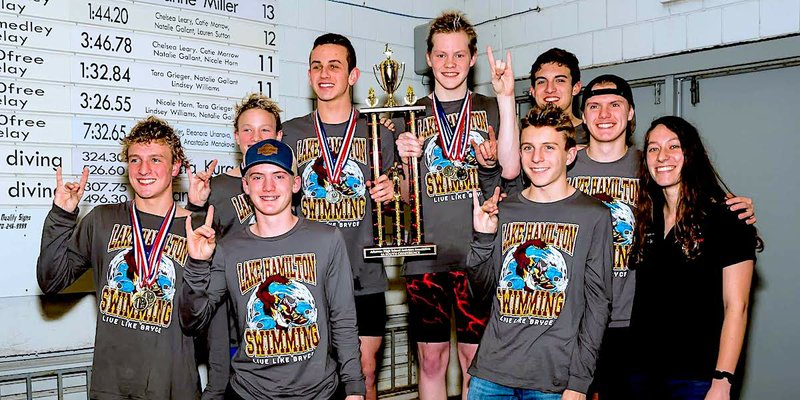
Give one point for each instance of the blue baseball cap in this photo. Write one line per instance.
(270, 151)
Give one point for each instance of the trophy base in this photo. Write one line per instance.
(400, 251)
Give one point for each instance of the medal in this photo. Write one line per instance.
(462, 174)
(332, 196)
(335, 165)
(449, 171)
(138, 301)
(148, 260)
(454, 139)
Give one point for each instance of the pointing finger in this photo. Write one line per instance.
(492, 135)
(59, 180)
(209, 216)
(212, 167)
(84, 179)
(490, 55)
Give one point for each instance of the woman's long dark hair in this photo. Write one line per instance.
(701, 189)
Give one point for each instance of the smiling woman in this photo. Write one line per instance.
(684, 231)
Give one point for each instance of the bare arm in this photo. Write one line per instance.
(736, 280)
(508, 132)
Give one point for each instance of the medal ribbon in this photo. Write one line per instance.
(454, 143)
(147, 261)
(335, 166)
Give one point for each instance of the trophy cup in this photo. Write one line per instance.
(402, 242)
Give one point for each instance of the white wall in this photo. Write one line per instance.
(612, 31)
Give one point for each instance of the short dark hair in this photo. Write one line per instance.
(550, 115)
(560, 57)
(453, 22)
(335, 38)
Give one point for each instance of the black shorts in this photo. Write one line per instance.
(371, 314)
(431, 296)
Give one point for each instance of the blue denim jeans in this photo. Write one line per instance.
(649, 387)
(482, 389)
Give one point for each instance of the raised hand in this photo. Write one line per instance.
(382, 189)
(408, 145)
(486, 152)
(484, 217)
(69, 194)
(202, 241)
(502, 74)
(200, 184)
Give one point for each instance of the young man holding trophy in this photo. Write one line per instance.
(451, 140)
(332, 148)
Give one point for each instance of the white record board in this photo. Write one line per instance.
(75, 75)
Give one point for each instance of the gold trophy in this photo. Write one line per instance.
(402, 242)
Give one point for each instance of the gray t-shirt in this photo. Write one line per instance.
(137, 354)
(581, 136)
(292, 297)
(232, 208)
(447, 202)
(352, 213)
(616, 184)
(548, 274)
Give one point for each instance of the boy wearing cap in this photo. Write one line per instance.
(256, 118)
(543, 257)
(290, 283)
(332, 146)
(137, 251)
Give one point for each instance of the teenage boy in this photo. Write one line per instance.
(291, 288)
(454, 135)
(556, 78)
(547, 271)
(138, 252)
(332, 146)
(256, 118)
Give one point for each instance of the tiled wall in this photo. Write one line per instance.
(369, 30)
(612, 31)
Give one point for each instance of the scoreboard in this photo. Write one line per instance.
(75, 75)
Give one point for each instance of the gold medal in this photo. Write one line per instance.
(139, 301)
(149, 297)
(449, 171)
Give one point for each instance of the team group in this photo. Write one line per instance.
(590, 268)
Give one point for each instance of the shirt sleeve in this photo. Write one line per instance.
(219, 356)
(736, 240)
(597, 307)
(65, 251)
(202, 292)
(342, 317)
(480, 265)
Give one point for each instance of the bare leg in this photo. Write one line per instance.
(466, 352)
(369, 352)
(433, 359)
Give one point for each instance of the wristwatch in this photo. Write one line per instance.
(724, 375)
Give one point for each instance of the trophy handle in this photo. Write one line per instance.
(379, 77)
(402, 74)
